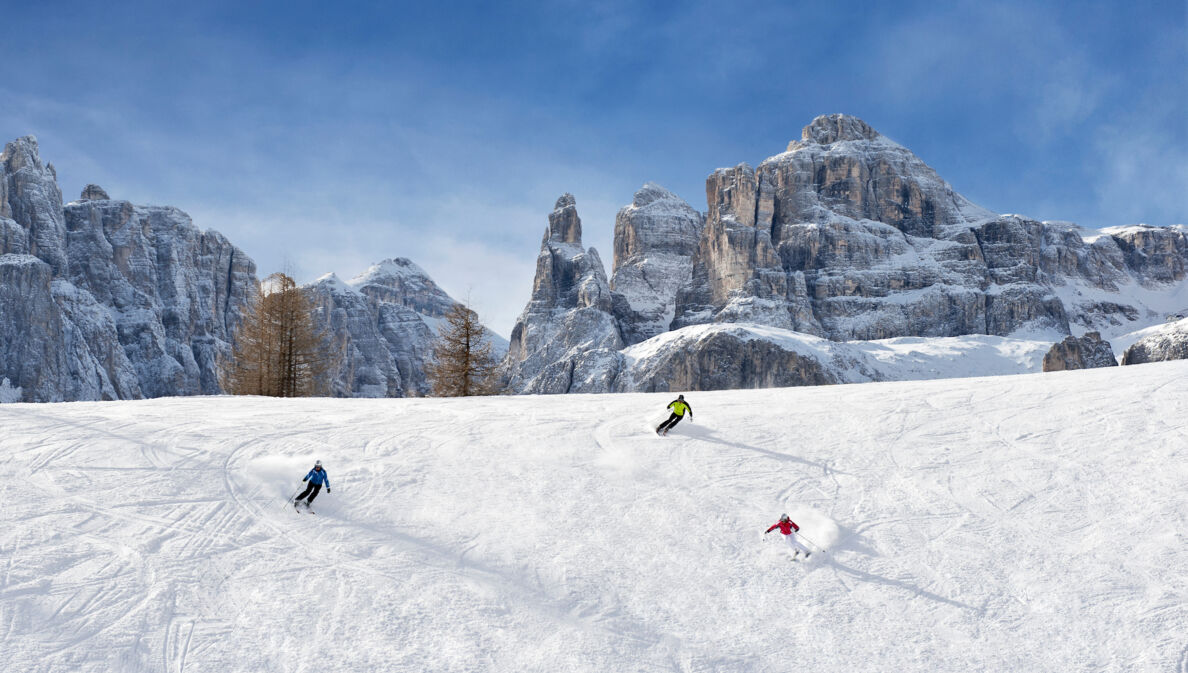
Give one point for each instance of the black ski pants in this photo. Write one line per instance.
(670, 423)
(312, 491)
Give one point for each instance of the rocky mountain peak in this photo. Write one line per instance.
(655, 240)
(651, 193)
(333, 283)
(389, 271)
(564, 201)
(829, 129)
(20, 153)
(94, 192)
(29, 194)
(564, 224)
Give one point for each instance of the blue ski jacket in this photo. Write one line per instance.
(318, 477)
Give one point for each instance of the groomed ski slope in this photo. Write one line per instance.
(1016, 523)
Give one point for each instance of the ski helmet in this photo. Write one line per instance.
(784, 517)
(680, 397)
(317, 463)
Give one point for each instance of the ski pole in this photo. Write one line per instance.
(819, 547)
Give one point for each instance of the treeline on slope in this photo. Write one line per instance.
(283, 348)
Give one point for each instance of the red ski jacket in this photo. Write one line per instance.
(786, 527)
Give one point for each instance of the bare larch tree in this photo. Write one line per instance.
(278, 350)
(462, 361)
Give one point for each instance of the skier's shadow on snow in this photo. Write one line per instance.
(706, 435)
(854, 542)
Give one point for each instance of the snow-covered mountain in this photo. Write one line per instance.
(1021, 523)
(848, 236)
(386, 320)
(103, 299)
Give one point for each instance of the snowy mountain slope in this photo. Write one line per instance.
(387, 319)
(1017, 523)
(728, 356)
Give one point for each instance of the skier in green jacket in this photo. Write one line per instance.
(679, 407)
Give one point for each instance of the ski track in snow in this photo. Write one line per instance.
(1001, 524)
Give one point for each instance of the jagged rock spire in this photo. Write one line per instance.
(567, 338)
(564, 224)
(94, 192)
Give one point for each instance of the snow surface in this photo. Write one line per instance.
(335, 284)
(1019, 523)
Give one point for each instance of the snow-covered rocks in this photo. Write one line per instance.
(385, 321)
(367, 368)
(736, 356)
(1167, 343)
(29, 194)
(1086, 352)
(176, 293)
(129, 301)
(568, 337)
(849, 236)
(655, 239)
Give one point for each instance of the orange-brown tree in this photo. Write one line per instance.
(279, 351)
(463, 364)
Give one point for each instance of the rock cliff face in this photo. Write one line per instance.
(1086, 352)
(29, 195)
(655, 240)
(1168, 343)
(846, 235)
(851, 236)
(386, 320)
(102, 299)
(568, 337)
(175, 292)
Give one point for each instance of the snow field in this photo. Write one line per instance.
(1002, 524)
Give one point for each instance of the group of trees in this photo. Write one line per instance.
(282, 350)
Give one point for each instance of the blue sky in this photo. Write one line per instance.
(327, 136)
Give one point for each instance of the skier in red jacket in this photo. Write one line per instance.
(787, 526)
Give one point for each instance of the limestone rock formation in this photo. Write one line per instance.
(385, 320)
(1167, 343)
(846, 235)
(655, 239)
(175, 292)
(127, 301)
(1086, 352)
(727, 357)
(93, 193)
(568, 337)
(56, 342)
(29, 194)
(851, 236)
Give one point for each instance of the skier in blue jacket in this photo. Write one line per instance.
(316, 477)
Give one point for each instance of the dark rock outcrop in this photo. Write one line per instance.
(1087, 352)
(93, 193)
